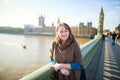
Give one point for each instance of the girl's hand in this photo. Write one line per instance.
(65, 72)
(56, 66)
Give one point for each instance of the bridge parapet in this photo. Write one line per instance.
(88, 51)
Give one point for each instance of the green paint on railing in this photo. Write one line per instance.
(43, 73)
(88, 58)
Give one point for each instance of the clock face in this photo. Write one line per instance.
(101, 16)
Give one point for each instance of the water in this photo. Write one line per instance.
(16, 62)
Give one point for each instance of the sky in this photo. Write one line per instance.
(17, 13)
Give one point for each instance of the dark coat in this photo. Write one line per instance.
(114, 36)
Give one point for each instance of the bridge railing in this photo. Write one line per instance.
(88, 51)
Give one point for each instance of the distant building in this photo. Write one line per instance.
(80, 30)
(41, 21)
(58, 20)
(87, 30)
(117, 29)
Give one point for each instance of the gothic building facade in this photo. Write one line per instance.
(80, 30)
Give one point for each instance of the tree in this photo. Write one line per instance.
(11, 30)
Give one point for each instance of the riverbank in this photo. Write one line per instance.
(45, 34)
(53, 35)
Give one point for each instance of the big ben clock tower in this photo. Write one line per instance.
(101, 22)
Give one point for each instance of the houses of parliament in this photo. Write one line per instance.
(81, 30)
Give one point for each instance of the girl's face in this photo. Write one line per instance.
(63, 33)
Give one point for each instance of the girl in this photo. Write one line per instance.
(66, 55)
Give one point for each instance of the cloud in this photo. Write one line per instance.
(117, 2)
(117, 7)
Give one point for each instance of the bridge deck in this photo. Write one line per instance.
(106, 63)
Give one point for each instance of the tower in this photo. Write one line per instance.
(52, 24)
(80, 29)
(41, 21)
(58, 20)
(89, 25)
(101, 22)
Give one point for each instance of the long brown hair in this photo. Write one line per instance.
(71, 38)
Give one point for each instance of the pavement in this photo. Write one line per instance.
(106, 62)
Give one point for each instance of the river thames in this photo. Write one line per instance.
(16, 61)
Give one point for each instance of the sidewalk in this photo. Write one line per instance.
(109, 65)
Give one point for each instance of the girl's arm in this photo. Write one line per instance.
(72, 66)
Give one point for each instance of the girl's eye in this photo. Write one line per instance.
(61, 31)
(66, 31)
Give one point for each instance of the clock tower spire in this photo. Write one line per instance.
(101, 22)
